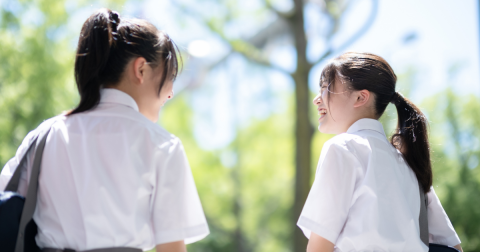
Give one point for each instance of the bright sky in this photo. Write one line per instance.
(444, 36)
(447, 37)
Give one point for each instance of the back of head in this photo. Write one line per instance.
(366, 71)
(107, 43)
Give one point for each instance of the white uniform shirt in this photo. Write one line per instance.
(366, 198)
(112, 178)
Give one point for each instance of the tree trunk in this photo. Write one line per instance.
(303, 128)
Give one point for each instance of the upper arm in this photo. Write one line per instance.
(317, 243)
(439, 226)
(178, 246)
(459, 247)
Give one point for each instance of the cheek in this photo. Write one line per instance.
(340, 107)
(338, 115)
(340, 112)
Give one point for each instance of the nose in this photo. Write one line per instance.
(317, 100)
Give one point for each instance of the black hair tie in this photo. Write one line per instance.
(396, 97)
(115, 20)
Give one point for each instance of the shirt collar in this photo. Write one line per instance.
(111, 95)
(366, 124)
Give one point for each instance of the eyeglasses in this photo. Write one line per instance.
(328, 89)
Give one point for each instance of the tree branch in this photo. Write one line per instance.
(286, 15)
(242, 47)
(356, 36)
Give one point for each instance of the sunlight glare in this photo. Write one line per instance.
(199, 48)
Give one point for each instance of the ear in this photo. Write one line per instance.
(362, 97)
(139, 65)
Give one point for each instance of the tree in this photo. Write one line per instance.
(288, 23)
(268, 151)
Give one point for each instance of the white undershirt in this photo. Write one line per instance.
(366, 198)
(112, 178)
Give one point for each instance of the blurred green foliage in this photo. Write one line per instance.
(261, 159)
(35, 69)
(455, 133)
(255, 172)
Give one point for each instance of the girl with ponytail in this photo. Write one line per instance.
(368, 190)
(111, 177)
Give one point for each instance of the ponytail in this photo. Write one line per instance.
(411, 139)
(105, 47)
(94, 46)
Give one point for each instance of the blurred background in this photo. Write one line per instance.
(242, 104)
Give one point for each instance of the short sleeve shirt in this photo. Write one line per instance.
(112, 178)
(366, 198)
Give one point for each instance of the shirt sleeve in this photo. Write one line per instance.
(440, 228)
(330, 197)
(12, 165)
(177, 213)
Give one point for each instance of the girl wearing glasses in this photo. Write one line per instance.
(366, 194)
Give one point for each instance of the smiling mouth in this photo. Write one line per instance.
(322, 113)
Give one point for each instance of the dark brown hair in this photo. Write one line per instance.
(366, 71)
(107, 43)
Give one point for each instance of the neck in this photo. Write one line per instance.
(143, 107)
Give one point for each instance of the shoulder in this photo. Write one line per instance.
(46, 124)
(156, 136)
(139, 131)
(160, 136)
(51, 122)
(341, 157)
(346, 143)
(347, 148)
